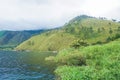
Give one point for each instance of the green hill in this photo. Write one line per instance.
(89, 29)
(13, 38)
(48, 41)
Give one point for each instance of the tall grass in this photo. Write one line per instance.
(102, 62)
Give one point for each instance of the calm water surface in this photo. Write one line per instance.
(25, 66)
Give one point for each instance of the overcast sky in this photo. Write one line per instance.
(37, 14)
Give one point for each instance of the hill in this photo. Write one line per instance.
(91, 30)
(13, 38)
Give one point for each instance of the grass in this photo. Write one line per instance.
(99, 62)
(48, 42)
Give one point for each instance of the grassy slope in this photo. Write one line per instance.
(48, 41)
(76, 28)
(99, 62)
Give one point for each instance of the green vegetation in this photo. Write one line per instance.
(99, 62)
(89, 29)
(48, 42)
(2, 33)
(89, 49)
(9, 39)
(79, 43)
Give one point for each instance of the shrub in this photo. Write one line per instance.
(70, 57)
(79, 43)
(102, 63)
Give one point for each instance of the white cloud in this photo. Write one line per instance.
(101, 7)
(34, 14)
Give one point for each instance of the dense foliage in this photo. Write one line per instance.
(99, 62)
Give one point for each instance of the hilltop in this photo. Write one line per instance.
(89, 29)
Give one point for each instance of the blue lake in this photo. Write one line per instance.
(25, 66)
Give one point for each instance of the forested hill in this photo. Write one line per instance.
(13, 38)
(91, 30)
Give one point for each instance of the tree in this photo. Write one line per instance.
(118, 28)
(70, 30)
(103, 29)
(117, 35)
(109, 23)
(91, 30)
(99, 30)
(108, 39)
(30, 43)
(110, 31)
(78, 43)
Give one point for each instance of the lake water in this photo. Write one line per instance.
(25, 66)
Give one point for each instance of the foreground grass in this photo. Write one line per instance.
(99, 62)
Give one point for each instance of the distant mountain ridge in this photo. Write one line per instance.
(16, 37)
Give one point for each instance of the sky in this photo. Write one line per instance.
(39, 14)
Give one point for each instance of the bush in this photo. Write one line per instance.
(74, 73)
(101, 63)
(70, 57)
(79, 43)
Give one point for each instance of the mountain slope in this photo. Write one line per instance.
(16, 37)
(89, 29)
(47, 41)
